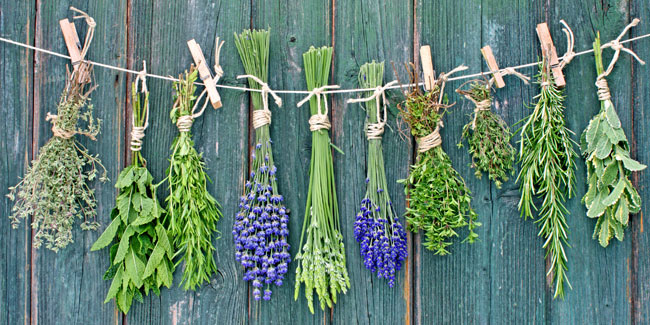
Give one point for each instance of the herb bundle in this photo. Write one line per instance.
(611, 197)
(322, 253)
(261, 228)
(439, 201)
(141, 254)
(192, 213)
(488, 136)
(547, 171)
(377, 227)
(55, 190)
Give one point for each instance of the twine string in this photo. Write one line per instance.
(430, 140)
(89, 33)
(61, 133)
(184, 123)
(262, 116)
(320, 120)
(375, 130)
(570, 43)
(444, 77)
(137, 132)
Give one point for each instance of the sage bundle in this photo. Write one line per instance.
(261, 226)
(377, 227)
(141, 255)
(55, 189)
(322, 253)
(548, 172)
(192, 213)
(610, 197)
(439, 201)
(488, 136)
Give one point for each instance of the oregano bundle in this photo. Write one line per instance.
(548, 172)
(192, 213)
(55, 189)
(610, 197)
(141, 254)
(439, 201)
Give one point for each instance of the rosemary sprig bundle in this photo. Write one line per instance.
(261, 228)
(55, 190)
(377, 227)
(488, 136)
(548, 171)
(611, 197)
(322, 253)
(439, 201)
(141, 254)
(192, 213)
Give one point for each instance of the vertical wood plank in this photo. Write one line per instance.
(67, 286)
(600, 276)
(16, 86)
(160, 32)
(366, 31)
(461, 279)
(293, 30)
(517, 266)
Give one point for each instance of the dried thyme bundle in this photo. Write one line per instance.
(192, 213)
(547, 171)
(611, 197)
(322, 253)
(54, 190)
(261, 228)
(377, 227)
(141, 254)
(488, 136)
(439, 201)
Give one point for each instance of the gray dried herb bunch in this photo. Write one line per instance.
(55, 190)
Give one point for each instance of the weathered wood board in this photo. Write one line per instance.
(500, 279)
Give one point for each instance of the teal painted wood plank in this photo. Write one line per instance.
(68, 286)
(600, 276)
(518, 289)
(640, 261)
(16, 105)
(161, 31)
(453, 30)
(293, 31)
(366, 31)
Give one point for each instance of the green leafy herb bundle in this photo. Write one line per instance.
(548, 172)
(261, 227)
(192, 213)
(141, 254)
(377, 227)
(55, 189)
(488, 136)
(611, 197)
(322, 253)
(438, 199)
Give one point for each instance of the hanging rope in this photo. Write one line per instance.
(137, 132)
(376, 130)
(184, 123)
(320, 120)
(570, 40)
(262, 116)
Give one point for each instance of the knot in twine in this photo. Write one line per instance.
(444, 77)
(91, 29)
(218, 70)
(601, 82)
(570, 42)
(137, 132)
(262, 116)
(430, 140)
(61, 133)
(184, 122)
(320, 120)
(375, 130)
(510, 72)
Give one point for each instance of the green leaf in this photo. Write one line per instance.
(115, 285)
(107, 236)
(123, 204)
(616, 193)
(615, 135)
(125, 179)
(124, 245)
(154, 260)
(604, 235)
(604, 148)
(622, 212)
(163, 240)
(134, 267)
(610, 173)
(631, 164)
(597, 208)
(591, 131)
(612, 117)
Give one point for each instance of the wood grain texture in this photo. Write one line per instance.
(365, 31)
(16, 87)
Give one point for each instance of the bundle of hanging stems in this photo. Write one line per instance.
(55, 189)
(192, 213)
(322, 252)
(141, 255)
(260, 229)
(377, 227)
(611, 197)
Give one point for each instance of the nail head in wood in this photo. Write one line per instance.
(548, 48)
(493, 66)
(204, 73)
(427, 67)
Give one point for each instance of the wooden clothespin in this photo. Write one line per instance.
(204, 73)
(492, 64)
(71, 42)
(427, 67)
(548, 49)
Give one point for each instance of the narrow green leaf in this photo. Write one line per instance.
(107, 236)
(612, 117)
(615, 194)
(115, 285)
(124, 245)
